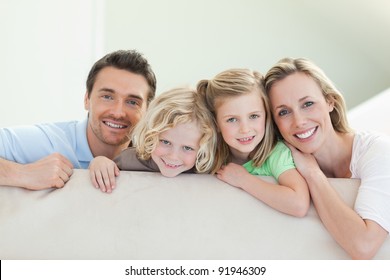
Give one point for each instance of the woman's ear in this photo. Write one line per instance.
(330, 102)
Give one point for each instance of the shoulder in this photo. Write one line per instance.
(280, 150)
(129, 160)
(128, 154)
(370, 154)
(30, 132)
(371, 143)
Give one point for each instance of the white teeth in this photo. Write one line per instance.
(246, 139)
(306, 134)
(114, 125)
(171, 164)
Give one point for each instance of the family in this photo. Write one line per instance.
(290, 124)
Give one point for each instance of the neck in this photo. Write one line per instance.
(334, 157)
(239, 158)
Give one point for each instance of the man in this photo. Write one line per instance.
(119, 88)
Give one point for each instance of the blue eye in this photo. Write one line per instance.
(187, 148)
(108, 97)
(254, 116)
(133, 103)
(282, 112)
(165, 142)
(231, 120)
(308, 104)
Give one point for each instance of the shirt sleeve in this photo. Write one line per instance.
(373, 166)
(27, 144)
(128, 160)
(280, 160)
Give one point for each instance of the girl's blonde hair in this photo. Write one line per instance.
(231, 83)
(288, 66)
(177, 106)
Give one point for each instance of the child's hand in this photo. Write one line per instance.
(232, 174)
(103, 172)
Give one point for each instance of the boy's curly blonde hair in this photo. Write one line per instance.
(177, 106)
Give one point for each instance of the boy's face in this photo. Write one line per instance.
(177, 149)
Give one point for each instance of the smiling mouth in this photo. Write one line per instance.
(245, 139)
(114, 125)
(170, 165)
(306, 134)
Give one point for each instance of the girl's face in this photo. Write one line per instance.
(241, 121)
(301, 112)
(177, 149)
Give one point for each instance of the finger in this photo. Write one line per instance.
(117, 171)
(100, 181)
(107, 174)
(68, 163)
(92, 176)
(112, 175)
(68, 170)
(64, 160)
(59, 183)
(63, 176)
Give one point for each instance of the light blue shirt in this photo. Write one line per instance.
(27, 144)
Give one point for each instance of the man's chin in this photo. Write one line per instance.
(117, 142)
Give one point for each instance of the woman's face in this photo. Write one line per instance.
(301, 112)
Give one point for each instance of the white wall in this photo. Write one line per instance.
(48, 46)
(188, 40)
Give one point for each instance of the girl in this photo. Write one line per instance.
(247, 142)
(176, 135)
(311, 115)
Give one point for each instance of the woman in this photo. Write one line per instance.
(310, 114)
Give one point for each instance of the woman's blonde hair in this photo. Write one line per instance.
(177, 106)
(288, 66)
(231, 83)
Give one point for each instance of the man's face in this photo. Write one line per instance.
(117, 102)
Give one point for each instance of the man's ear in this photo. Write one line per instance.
(86, 101)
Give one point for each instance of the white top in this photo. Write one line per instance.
(371, 163)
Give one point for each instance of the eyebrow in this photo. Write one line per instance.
(299, 100)
(249, 113)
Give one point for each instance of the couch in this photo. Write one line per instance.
(148, 216)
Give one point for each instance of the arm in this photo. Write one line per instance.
(291, 196)
(51, 171)
(361, 239)
(103, 171)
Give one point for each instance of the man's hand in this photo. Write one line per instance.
(51, 171)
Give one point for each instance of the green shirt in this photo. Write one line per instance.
(279, 161)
